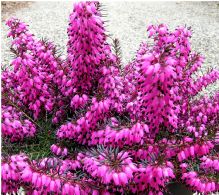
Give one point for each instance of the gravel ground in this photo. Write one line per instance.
(10, 7)
(127, 21)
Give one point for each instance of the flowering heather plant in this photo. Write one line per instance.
(87, 125)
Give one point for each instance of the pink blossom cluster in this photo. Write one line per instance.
(196, 150)
(201, 184)
(20, 168)
(33, 69)
(100, 167)
(81, 128)
(151, 150)
(157, 73)
(58, 150)
(112, 85)
(209, 163)
(87, 47)
(145, 153)
(77, 101)
(162, 74)
(10, 173)
(56, 164)
(135, 128)
(114, 137)
(153, 178)
(14, 124)
(204, 112)
(204, 81)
